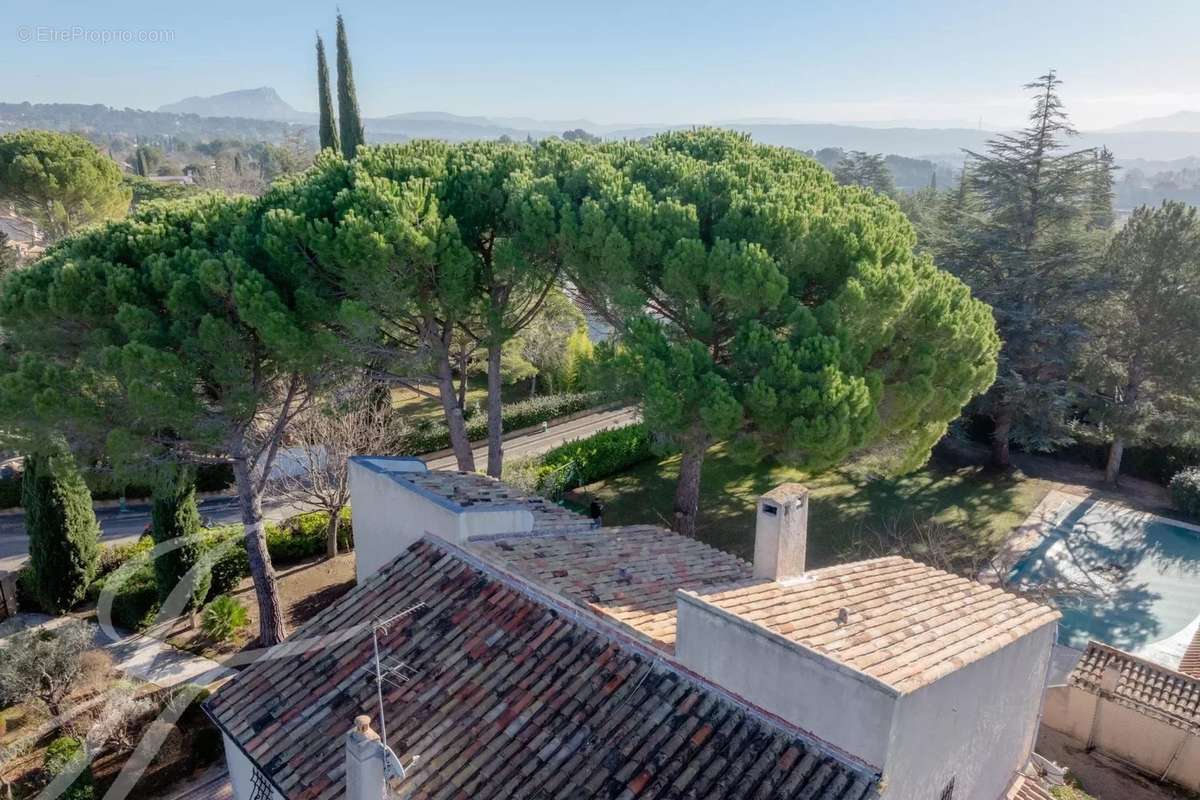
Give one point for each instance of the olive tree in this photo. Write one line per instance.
(762, 303)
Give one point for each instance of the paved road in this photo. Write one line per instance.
(118, 527)
(121, 527)
(540, 441)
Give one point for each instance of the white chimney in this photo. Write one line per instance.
(781, 533)
(365, 779)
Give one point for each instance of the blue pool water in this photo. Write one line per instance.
(1118, 576)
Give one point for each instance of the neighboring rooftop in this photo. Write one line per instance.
(1140, 684)
(899, 621)
(1190, 664)
(507, 693)
(628, 574)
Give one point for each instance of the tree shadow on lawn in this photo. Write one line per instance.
(848, 505)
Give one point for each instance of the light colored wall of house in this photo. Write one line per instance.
(849, 710)
(241, 772)
(389, 515)
(976, 725)
(1125, 733)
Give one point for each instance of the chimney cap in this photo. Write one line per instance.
(785, 492)
(362, 726)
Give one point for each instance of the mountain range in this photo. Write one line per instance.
(1161, 138)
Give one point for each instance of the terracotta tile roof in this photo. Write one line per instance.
(1190, 664)
(509, 698)
(1143, 685)
(472, 490)
(1026, 788)
(904, 623)
(628, 574)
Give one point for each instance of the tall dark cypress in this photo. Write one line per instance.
(327, 127)
(175, 518)
(64, 538)
(349, 120)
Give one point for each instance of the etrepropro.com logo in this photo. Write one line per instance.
(79, 34)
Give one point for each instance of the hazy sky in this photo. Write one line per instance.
(946, 61)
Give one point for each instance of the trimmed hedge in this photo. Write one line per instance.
(303, 537)
(601, 455)
(432, 435)
(136, 601)
(1185, 491)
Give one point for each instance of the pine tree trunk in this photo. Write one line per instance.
(462, 383)
(1001, 431)
(335, 522)
(687, 491)
(495, 412)
(271, 626)
(1112, 470)
(454, 417)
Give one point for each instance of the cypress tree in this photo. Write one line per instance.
(327, 128)
(173, 515)
(349, 120)
(64, 537)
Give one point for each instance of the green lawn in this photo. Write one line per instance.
(849, 508)
(417, 406)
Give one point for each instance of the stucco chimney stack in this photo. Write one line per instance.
(365, 779)
(781, 533)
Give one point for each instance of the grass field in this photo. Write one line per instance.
(417, 406)
(848, 507)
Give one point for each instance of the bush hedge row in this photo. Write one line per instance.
(1185, 491)
(135, 602)
(592, 458)
(432, 435)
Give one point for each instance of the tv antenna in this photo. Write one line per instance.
(395, 673)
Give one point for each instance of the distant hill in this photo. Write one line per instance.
(261, 103)
(1180, 121)
(100, 121)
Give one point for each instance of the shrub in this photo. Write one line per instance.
(233, 564)
(207, 747)
(62, 754)
(63, 533)
(114, 556)
(430, 436)
(10, 491)
(223, 618)
(1185, 491)
(135, 600)
(27, 594)
(592, 458)
(303, 536)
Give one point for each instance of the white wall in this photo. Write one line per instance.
(976, 725)
(1125, 733)
(241, 772)
(846, 708)
(390, 514)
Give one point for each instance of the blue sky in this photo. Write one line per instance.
(616, 61)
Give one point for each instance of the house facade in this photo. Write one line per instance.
(537, 654)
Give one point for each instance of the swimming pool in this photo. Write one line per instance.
(1119, 576)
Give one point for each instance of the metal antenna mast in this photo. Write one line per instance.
(396, 673)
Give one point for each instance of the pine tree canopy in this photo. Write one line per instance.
(1142, 352)
(60, 181)
(766, 304)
